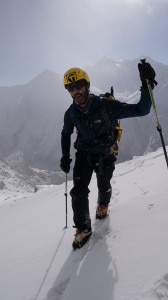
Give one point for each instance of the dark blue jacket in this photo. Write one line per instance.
(93, 133)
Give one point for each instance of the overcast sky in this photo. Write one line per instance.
(58, 34)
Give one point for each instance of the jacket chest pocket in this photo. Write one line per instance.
(100, 129)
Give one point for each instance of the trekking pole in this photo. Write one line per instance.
(158, 126)
(66, 195)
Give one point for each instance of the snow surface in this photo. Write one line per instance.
(125, 259)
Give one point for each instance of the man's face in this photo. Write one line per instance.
(79, 91)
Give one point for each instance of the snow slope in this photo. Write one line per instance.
(125, 259)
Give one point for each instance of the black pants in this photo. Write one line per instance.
(84, 167)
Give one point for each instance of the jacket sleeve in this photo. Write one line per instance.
(125, 110)
(66, 133)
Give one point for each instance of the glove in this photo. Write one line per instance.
(146, 72)
(65, 164)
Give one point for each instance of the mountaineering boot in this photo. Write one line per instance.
(101, 211)
(81, 237)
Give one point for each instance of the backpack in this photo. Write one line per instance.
(115, 147)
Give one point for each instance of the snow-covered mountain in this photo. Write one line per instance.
(31, 115)
(17, 178)
(30, 120)
(125, 259)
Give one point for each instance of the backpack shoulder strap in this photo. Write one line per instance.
(103, 112)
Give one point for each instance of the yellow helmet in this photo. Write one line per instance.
(75, 74)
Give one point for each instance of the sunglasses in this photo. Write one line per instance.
(77, 85)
